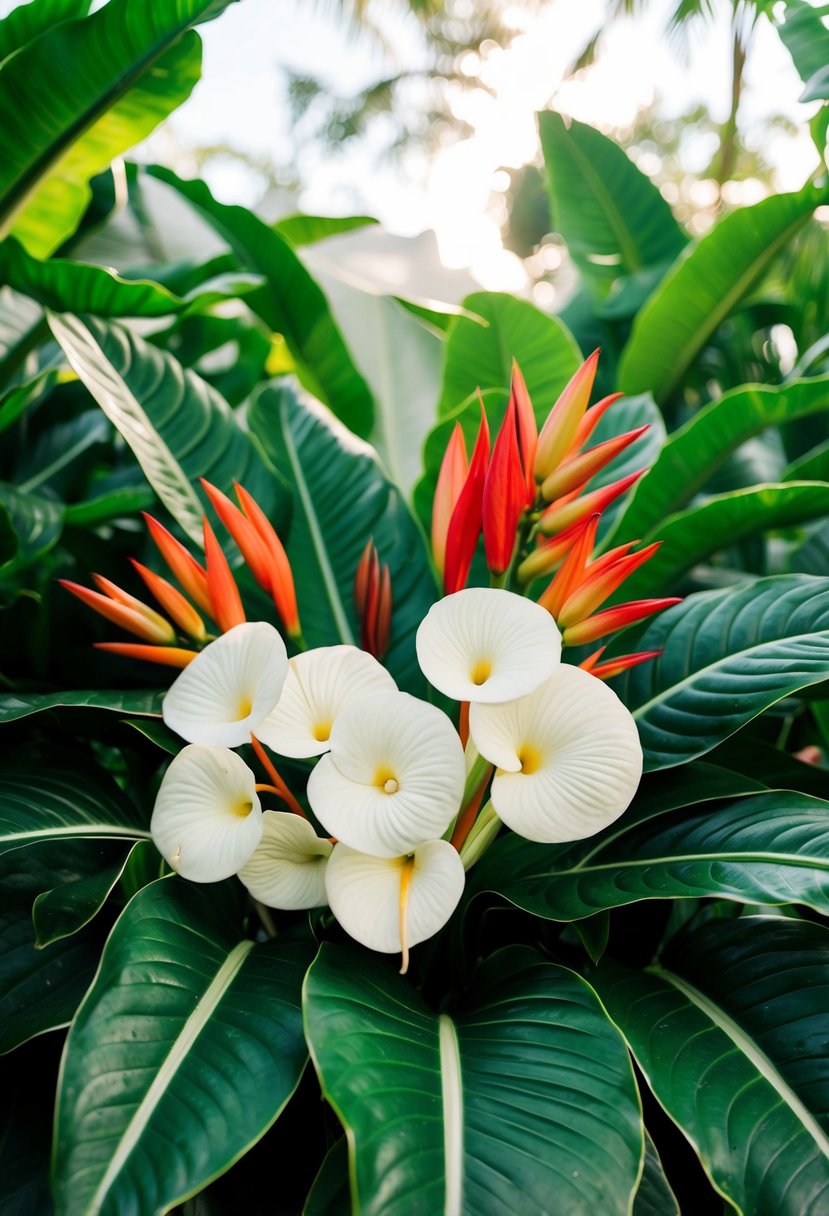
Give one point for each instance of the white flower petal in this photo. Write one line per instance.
(394, 776)
(230, 688)
(288, 868)
(321, 685)
(207, 820)
(364, 894)
(486, 645)
(568, 757)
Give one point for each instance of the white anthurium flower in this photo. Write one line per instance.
(321, 684)
(487, 645)
(393, 778)
(288, 868)
(391, 903)
(207, 820)
(568, 757)
(229, 689)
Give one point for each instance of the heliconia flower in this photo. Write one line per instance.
(182, 564)
(612, 619)
(321, 685)
(571, 509)
(228, 690)
(391, 903)
(615, 667)
(225, 601)
(549, 554)
(527, 428)
(485, 644)
(559, 430)
(173, 603)
(167, 656)
(394, 776)
(568, 757)
(505, 494)
(288, 868)
(575, 472)
(265, 558)
(207, 820)
(467, 517)
(453, 470)
(598, 582)
(590, 420)
(572, 571)
(372, 601)
(124, 610)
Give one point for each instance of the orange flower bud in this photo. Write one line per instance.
(167, 656)
(181, 562)
(453, 470)
(559, 430)
(612, 619)
(579, 469)
(505, 494)
(123, 609)
(568, 511)
(225, 601)
(467, 517)
(173, 603)
(282, 586)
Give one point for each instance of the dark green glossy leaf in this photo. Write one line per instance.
(58, 802)
(184, 1052)
(654, 1196)
(612, 217)
(342, 497)
(812, 466)
(37, 522)
(65, 909)
(18, 399)
(137, 701)
(731, 1036)
(79, 95)
(178, 427)
(291, 303)
(113, 505)
(331, 1191)
(768, 848)
(728, 655)
(40, 989)
(692, 454)
(493, 1108)
(695, 533)
(705, 285)
(308, 229)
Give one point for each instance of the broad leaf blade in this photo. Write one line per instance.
(704, 286)
(612, 217)
(342, 497)
(728, 655)
(654, 1196)
(137, 702)
(530, 1062)
(178, 427)
(185, 1050)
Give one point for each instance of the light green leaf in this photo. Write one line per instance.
(806, 38)
(309, 229)
(728, 655)
(213, 1022)
(26, 21)
(342, 498)
(178, 427)
(695, 533)
(291, 303)
(612, 217)
(730, 1036)
(79, 95)
(705, 285)
(692, 454)
(494, 1107)
(812, 466)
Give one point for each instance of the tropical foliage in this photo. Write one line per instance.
(626, 1016)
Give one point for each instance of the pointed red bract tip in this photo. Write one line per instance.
(613, 619)
(181, 563)
(225, 601)
(505, 494)
(527, 428)
(124, 610)
(570, 510)
(568, 577)
(453, 470)
(615, 667)
(282, 587)
(373, 601)
(467, 517)
(173, 602)
(559, 429)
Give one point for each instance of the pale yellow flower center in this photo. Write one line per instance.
(243, 708)
(242, 808)
(322, 731)
(385, 780)
(530, 758)
(481, 672)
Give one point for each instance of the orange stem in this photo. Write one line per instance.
(470, 813)
(463, 725)
(280, 787)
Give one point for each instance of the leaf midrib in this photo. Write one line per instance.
(792, 859)
(749, 1048)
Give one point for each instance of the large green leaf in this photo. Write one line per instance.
(342, 497)
(291, 303)
(63, 910)
(521, 1095)
(770, 848)
(79, 95)
(728, 655)
(612, 217)
(185, 1050)
(26, 21)
(178, 427)
(302, 229)
(67, 286)
(40, 989)
(806, 39)
(705, 285)
(654, 1197)
(692, 535)
(693, 453)
(55, 801)
(731, 1037)
(480, 349)
(137, 702)
(37, 522)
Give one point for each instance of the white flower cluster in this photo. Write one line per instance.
(392, 772)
